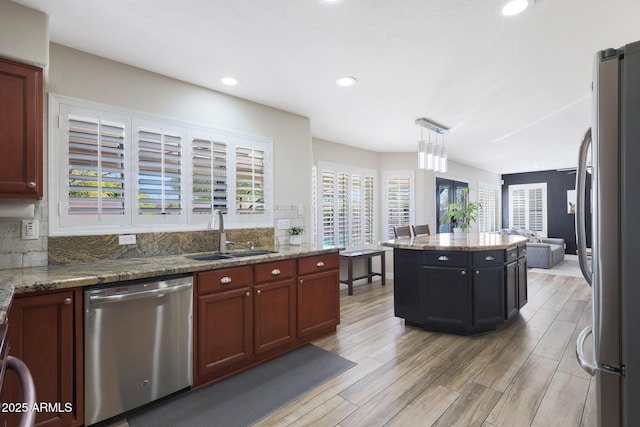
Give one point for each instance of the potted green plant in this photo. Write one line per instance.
(295, 235)
(461, 214)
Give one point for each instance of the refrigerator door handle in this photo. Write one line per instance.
(581, 233)
(588, 366)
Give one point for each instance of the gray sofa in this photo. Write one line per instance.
(546, 253)
(542, 252)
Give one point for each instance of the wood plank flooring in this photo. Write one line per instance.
(524, 374)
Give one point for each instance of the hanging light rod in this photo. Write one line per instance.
(438, 128)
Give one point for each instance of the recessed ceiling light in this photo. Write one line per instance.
(229, 81)
(514, 7)
(346, 81)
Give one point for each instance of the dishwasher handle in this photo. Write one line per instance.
(159, 292)
(28, 390)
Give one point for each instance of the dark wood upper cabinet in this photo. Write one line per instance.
(20, 130)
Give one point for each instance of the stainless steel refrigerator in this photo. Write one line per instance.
(614, 268)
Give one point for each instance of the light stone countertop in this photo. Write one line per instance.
(447, 242)
(33, 279)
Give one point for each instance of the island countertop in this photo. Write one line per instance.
(447, 241)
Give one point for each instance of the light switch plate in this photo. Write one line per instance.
(283, 224)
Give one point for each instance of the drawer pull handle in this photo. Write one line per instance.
(225, 280)
(275, 271)
(443, 258)
(320, 264)
(67, 301)
(512, 255)
(31, 184)
(489, 258)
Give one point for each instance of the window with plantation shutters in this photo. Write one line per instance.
(489, 212)
(96, 166)
(398, 199)
(159, 179)
(528, 207)
(346, 205)
(208, 175)
(113, 170)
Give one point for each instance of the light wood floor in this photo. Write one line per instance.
(524, 374)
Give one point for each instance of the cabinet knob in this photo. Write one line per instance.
(248, 294)
(31, 184)
(67, 301)
(258, 292)
(443, 258)
(464, 273)
(301, 282)
(225, 280)
(275, 272)
(477, 272)
(320, 264)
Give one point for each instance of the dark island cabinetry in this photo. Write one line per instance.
(457, 291)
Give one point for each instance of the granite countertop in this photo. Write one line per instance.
(21, 280)
(447, 242)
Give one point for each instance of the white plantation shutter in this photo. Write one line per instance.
(398, 199)
(96, 172)
(489, 212)
(528, 207)
(346, 206)
(159, 171)
(250, 180)
(208, 175)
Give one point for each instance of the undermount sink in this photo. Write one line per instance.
(251, 253)
(218, 256)
(208, 257)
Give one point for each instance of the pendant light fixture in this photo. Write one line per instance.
(431, 155)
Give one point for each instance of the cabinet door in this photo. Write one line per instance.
(274, 310)
(20, 130)
(511, 290)
(41, 334)
(225, 329)
(488, 296)
(318, 302)
(406, 284)
(522, 282)
(446, 297)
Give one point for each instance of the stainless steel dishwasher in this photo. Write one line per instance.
(137, 344)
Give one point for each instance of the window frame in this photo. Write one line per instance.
(527, 187)
(397, 174)
(62, 223)
(497, 192)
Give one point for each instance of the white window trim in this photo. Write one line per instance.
(58, 181)
(386, 175)
(541, 185)
(351, 170)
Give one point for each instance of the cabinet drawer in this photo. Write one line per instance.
(483, 258)
(277, 270)
(226, 278)
(522, 251)
(315, 264)
(445, 258)
(511, 255)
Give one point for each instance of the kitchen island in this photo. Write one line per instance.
(461, 286)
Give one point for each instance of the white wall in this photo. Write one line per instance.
(24, 34)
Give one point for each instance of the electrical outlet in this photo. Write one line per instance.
(127, 239)
(30, 229)
(283, 224)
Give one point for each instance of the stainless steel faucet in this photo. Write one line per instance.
(223, 235)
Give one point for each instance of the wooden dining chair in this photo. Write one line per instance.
(419, 230)
(402, 231)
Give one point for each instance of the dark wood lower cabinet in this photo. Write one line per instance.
(45, 332)
(318, 302)
(446, 296)
(511, 290)
(274, 314)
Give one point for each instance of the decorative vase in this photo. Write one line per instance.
(459, 234)
(295, 239)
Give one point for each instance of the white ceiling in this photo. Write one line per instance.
(514, 91)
